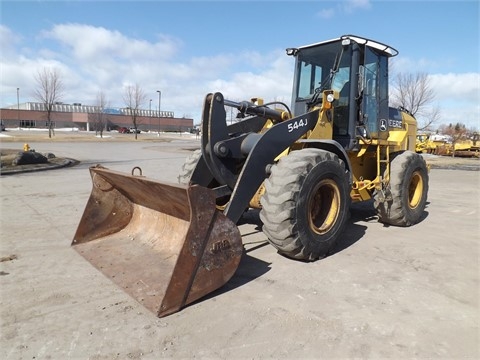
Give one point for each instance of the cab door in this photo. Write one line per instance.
(375, 94)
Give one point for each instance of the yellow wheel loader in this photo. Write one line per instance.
(168, 245)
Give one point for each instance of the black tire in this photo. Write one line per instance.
(405, 204)
(186, 173)
(188, 167)
(293, 217)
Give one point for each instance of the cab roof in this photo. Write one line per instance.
(386, 49)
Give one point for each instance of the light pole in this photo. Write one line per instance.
(150, 117)
(18, 106)
(159, 103)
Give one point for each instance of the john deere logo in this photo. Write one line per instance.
(383, 125)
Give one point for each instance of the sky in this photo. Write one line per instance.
(187, 49)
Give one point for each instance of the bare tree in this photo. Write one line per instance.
(475, 137)
(432, 117)
(100, 117)
(134, 98)
(414, 93)
(456, 132)
(49, 90)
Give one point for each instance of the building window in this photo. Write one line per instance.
(27, 123)
(52, 122)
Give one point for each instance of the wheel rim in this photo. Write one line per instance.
(415, 190)
(324, 206)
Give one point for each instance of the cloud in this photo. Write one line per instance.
(344, 7)
(458, 96)
(469, 116)
(326, 13)
(403, 64)
(461, 87)
(351, 5)
(91, 59)
(272, 83)
(91, 43)
(8, 41)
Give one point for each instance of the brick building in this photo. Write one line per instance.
(84, 117)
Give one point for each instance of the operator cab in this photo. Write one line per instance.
(358, 69)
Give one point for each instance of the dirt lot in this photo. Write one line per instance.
(27, 137)
(385, 292)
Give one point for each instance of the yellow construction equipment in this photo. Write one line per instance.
(424, 145)
(168, 245)
(442, 145)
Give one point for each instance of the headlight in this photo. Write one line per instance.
(330, 98)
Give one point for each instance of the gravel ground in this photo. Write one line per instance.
(25, 136)
(385, 292)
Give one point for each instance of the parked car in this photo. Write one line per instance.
(132, 130)
(123, 130)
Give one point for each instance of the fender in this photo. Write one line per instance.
(332, 146)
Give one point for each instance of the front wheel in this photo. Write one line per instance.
(408, 191)
(306, 203)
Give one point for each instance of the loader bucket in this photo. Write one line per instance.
(166, 245)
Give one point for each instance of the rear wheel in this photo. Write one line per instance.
(186, 173)
(188, 167)
(306, 203)
(408, 188)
